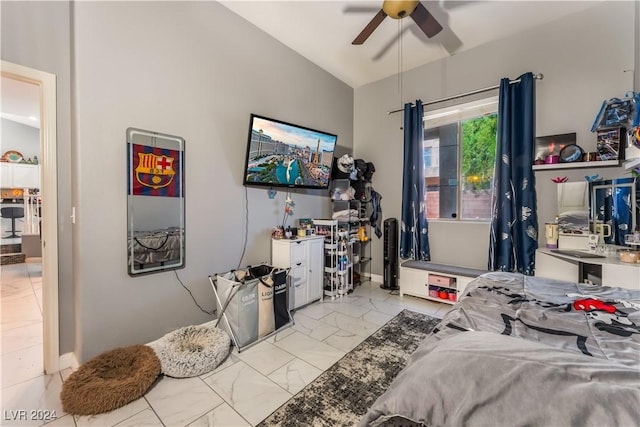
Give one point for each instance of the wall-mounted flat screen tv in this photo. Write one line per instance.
(281, 154)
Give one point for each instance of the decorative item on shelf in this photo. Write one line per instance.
(559, 179)
(551, 159)
(547, 148)
(593, 178)
(571, 153)
(362, 234)
(277, 233)
(608, 143)
(12, 156)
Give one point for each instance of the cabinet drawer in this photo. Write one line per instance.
(436, 279)
(297, 275)
(297, 252)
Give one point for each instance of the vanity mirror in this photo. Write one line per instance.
(155, 202)
(614, 210)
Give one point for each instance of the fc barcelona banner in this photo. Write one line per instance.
(155, 171)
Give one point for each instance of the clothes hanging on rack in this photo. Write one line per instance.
(376, 214)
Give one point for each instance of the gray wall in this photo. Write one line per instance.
(191, 69)
(37, 35)
(195, 70)
(582, 57)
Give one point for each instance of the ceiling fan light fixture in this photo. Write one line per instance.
(398, 9)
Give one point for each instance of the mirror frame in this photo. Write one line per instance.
(155, 202)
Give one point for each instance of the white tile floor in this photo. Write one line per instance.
(242, 391)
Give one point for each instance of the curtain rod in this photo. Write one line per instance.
(538, 76)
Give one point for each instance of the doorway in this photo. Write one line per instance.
(48, 230)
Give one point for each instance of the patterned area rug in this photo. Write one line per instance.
(343, 394)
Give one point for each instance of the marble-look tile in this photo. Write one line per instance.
(344, 340)
(283, 332)
(22, 365)
(179, 401)
(223, 415)
(11, 272)
(40, 393)
(20, 338)
(249, 393)
(316, 310)
(63, 421)
(314, 328)
(142, 419)
(34, 267)
(372, 290)
(377, 317)
(265, 357)
(318, 354)
(20, 311)
(295, 375)
(230, 360)
(351, 309)
(351, 324)
(422, 305)
(15, 289)
(389, 306)
(114, 417)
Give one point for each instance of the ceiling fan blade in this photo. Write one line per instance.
(426, 21)
(370, 28)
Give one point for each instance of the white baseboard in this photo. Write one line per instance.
(375, 278)
(68, 360)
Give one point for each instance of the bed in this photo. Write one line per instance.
(523, 351)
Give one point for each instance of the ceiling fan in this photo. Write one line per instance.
(399, 9)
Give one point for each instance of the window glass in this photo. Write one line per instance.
(460, 144)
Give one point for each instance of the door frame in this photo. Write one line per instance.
(49, 191)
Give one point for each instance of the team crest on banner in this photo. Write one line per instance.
(156, 171)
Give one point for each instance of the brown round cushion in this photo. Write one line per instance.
(110, 380)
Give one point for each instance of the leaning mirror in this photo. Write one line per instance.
(155, 202)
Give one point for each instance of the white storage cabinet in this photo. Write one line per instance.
(305, 257)
(19, 175)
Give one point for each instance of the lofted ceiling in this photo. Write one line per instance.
(322, 31)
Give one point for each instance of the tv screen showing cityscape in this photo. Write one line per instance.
(281, 154)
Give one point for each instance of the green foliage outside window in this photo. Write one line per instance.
(479, 151)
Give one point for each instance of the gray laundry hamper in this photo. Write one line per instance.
(237, 306)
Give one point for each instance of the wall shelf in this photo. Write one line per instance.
(577, 165)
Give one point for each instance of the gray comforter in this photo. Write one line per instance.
(524, 351)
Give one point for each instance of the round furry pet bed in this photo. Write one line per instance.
(192, 350)
(110, 380)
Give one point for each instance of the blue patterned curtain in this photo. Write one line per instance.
(514, 225)
(414, 230)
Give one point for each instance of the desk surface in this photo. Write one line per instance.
(611, 259)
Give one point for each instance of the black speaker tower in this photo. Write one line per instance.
(390, 252)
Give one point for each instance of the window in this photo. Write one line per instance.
(460, 146)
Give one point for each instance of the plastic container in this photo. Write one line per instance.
(433, 292)
(442, 294)
(453, 296)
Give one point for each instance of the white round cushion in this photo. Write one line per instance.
(192, 350)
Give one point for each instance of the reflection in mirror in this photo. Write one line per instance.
(614, 208)
(155, 202)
